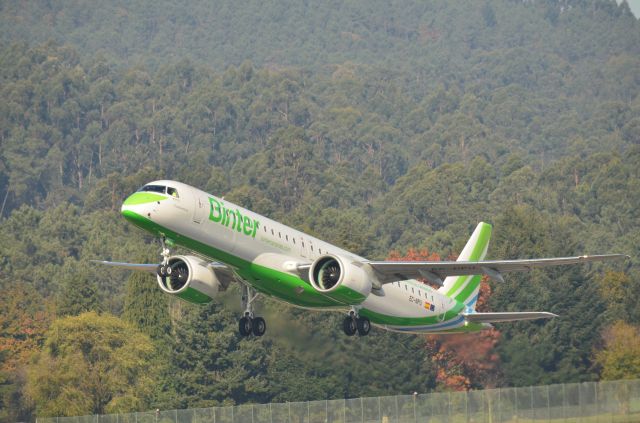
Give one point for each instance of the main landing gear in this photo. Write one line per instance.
(353, 323)
(249, 324)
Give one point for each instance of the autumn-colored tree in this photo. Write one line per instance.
(462, 361)
(24, 319)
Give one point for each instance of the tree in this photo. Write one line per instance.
(620, 357)
(91, 364)
(146, 306)
(79, 292)
(464, 361)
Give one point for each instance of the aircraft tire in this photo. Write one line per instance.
(349, 326)
(245, 326)
(161, 271)
(363, 325)
(259, 326)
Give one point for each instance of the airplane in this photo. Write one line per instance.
(228, 243)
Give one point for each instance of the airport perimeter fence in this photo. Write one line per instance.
(615, 401)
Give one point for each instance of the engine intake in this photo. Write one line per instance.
(191, 279)
(339, 279)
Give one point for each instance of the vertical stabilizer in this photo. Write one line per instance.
(465, 289)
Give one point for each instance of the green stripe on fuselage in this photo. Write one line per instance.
(411, 321)
(264, 279)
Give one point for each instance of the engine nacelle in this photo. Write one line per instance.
(340, 279)
(191, 279)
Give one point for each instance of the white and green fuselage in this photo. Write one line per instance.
(264, 253)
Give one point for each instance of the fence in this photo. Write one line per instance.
(617, 401)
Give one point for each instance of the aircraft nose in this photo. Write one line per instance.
(140, 206)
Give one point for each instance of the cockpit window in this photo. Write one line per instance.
(154, 188)
(173, 192)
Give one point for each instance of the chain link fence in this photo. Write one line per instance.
(606, 402)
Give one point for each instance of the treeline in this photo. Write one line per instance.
(517, 113)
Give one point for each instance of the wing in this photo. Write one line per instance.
(436, 271)
(142, 267)
(219, 268)
(506, 316)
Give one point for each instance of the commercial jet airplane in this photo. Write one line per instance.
(229, 243)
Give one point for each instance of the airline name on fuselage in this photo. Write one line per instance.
(232, 218)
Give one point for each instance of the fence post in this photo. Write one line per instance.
(175, 414)
(466, 405)
(252, 407)
(308, 412)
(397, 415)
(232, 416)
(533, 410)
(326, 410)
(548, 405)
(344, 411)
(361, 409)
(289, 404)
(379, 410)
(270, 414)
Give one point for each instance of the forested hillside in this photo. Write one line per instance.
(385, 128)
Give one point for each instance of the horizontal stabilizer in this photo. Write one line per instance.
(506, 316)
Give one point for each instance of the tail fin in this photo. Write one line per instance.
(465, 289)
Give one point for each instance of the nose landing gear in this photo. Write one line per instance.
(249, 324)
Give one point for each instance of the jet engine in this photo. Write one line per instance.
(191, 279)
(340, 279)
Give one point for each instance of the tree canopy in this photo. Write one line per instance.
(376, 126)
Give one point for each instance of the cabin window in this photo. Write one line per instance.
(173, 192)
(272, 232)
(302, 244)
(311, 247)
(286, 237)
(265, 228)
(406, 288)
(279, 235)
(412, 291)
(319, 250)
(420, 292)
(294, 240)
(153, 188)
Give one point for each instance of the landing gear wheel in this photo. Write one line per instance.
(364, 326)
(349, 326)
(161, 270)
(259, 326)
(245, 326)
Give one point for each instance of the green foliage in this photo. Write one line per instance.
(145, 306)
(91, 364)
(79, 293)
(373, 127)
(620, 357)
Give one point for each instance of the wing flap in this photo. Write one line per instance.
(507, 316)
(391, 271)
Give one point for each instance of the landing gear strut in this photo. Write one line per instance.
(249, 324)
(164, 269)
(353, 323)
